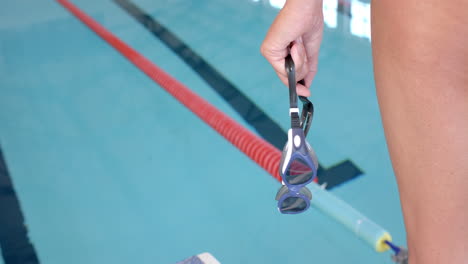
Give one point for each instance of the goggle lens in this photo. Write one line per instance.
(293, 205)
(298, 172)
(293, 202)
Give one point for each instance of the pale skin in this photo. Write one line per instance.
(420, 51)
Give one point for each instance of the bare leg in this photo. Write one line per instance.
(420, 51)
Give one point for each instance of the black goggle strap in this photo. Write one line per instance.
(290, 70)
(307, 114)
(307, 109)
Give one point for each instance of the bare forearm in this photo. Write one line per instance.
(421, 61)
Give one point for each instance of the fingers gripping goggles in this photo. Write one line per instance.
(298, 166)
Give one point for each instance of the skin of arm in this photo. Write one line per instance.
(420, 51)
(299, 22)
(420, 56)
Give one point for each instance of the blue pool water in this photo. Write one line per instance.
(109, 168)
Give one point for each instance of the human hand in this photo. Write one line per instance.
(300, 22)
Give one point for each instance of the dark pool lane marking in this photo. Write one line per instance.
(238, 100)
(248, 110)
(14, 241)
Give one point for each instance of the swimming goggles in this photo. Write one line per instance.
(298, 166)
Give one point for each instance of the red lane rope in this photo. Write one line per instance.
(257, 149)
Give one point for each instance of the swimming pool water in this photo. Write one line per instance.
(109, 168)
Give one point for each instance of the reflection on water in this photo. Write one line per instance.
(355, 15)
(360, 19)
(277, 3)
(330, 11)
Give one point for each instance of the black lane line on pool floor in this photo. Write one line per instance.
(14, 242)
(248, 110)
